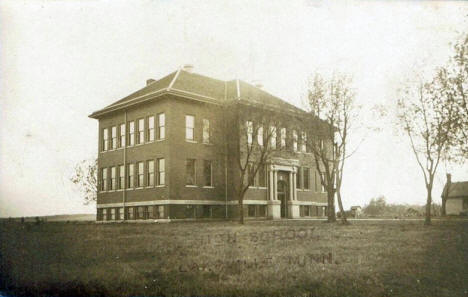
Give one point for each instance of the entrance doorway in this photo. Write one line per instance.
(282, 187)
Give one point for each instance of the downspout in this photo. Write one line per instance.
(124, 193)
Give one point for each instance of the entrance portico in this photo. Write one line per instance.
(282, 193)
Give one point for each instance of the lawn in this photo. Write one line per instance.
(269, 258)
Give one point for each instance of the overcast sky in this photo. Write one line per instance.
(62, 60)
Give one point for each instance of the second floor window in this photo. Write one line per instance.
(305, 178)
(114, 137)
(273, 137)
(113, 178)
(141, 131)
(294, 140)
(261, 177)
(104, 179)
(260, 135)
(141, 174)
(150, 173)
(131, 133)
(130, 172)
(207, 172)
(304, 142)
(161, 172)
(189, 127)
(161, 126)
(150, 135)
(190, 172)
(206, 131)
(249, 130)
(283, 137)
(105, 139)
(122, 135)
(121, 177)
(298, 177)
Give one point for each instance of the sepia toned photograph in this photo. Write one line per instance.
(233, 148)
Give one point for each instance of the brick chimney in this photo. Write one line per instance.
(188, 68)
(150, 81)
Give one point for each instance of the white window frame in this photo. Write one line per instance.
(249, 131)
(273, 137)
(161, 172)
(189, 127)
(150, 128)
(105, 139)
(161, 126)
(206, 131)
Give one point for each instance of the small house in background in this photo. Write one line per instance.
(355, 211)
(456, 197)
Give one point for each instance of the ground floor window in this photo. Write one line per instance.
(99, 214)
(256, 211)
(465, 203)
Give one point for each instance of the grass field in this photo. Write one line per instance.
(287, 258)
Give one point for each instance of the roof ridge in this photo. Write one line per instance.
(174, 79)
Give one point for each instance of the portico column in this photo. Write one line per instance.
(294, 183)
(275, 182)
(271, 183)
(291, 186)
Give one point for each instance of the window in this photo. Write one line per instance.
(140, 210)
(141, 131)
(131, 133)
(304, 142)
(130, 213)
(249, 128)
(120, 213)
(250, 175)
(122, 135)
(251, 210)
(207, 172)
(283, 137)
(130, 173)
(161, 211)
(114, 137)
(294, 132)
(189, 127)
(161, 126)
(305, 178)
(161, 172)
(141, 174)
(190, 172)
(113, 178)
(112, 211)
(298, 177)
(307, 210)
(121, 177)
(261, 211)
(104, 214)
(206, 131)
(105, 139)
(150, 133)
(261, 177)
(260, 135)
(150, 173)
(273, 137)
(99, 214)
(104, 179)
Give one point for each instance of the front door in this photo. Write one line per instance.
(283, 197)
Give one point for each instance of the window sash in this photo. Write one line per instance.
(141, 131)
(104, 179)
(105, 139)
(249, 128)
(150, 128)
(208, 170)
(122, 135)
(162, 126)
(189, 127)
(141, 174)
(150, 173)
(131, 133)
(260, 135)
(304, 142)
(306, 178)
(298, 177)
(295, 140)
(113, 178)
(283, 137)
(273, 137)
(114, 137)
(130, 175)
(190, 172)
(161, 172)
(121, 176)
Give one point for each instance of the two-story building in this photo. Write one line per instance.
(164, 154)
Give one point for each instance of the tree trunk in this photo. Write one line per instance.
(331, 206)
(241, 211)
(427, 220)
(340, 205)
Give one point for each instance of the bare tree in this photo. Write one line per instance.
(255, 125)
(426, 114)
(333, 111)
(85, 177)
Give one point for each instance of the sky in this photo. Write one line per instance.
(62, 60)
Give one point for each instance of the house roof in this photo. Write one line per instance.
(199, 87)
(458, 189)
